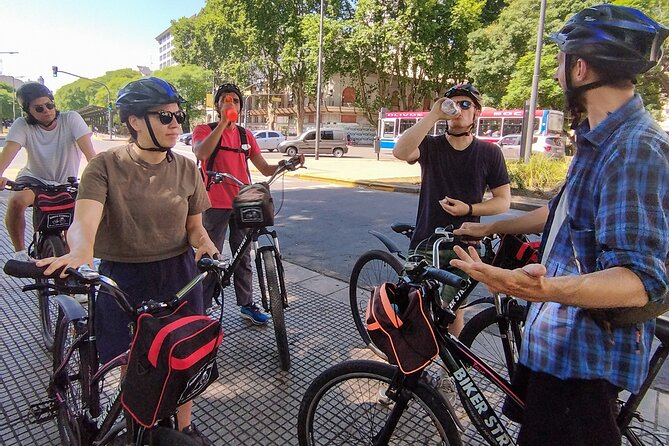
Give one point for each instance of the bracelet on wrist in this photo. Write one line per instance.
(471, 210)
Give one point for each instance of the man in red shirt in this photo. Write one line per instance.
(231, 158)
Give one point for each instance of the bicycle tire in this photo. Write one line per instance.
(343, 406)
(67, 388)
(372, 269)
(481, 334)
(276, 307)
(52, 246)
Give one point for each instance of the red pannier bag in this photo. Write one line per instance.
(172, 360)
(398, 325)
(516, 251)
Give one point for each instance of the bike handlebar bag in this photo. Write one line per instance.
(515, 252)
(53, 210)
(398, 325)
(253, 206)
(172, 360)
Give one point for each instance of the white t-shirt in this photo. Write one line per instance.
(53, 155)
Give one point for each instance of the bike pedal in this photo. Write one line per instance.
(41, 412)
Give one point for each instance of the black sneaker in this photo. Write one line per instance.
(196, 435)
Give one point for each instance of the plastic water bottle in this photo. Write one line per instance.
(450, 108)
(230, 113)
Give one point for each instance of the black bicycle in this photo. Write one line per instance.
(257, 213)
(371, 403)
(494, 333)
(85, 397)
(53, 213)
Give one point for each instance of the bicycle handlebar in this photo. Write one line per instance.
(284, 165)
(19, 186)
(445, 277)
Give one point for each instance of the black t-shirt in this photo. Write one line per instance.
(460, 174)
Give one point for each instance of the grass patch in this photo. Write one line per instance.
(540, 177)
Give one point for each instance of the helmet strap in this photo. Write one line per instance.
(158, 147)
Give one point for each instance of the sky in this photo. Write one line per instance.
(84, 37)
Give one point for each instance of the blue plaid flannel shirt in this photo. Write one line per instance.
(618, 215)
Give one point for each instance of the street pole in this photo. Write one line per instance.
(109, 112)
(527, 147)
(318, 85)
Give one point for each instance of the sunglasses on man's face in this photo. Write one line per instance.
(166, 117)
(465, 104)
(41, 108)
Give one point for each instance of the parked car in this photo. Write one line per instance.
(186, 138)
(268, 139)
(552, 146)
(332, 141)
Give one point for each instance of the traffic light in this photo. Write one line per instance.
(55, 71)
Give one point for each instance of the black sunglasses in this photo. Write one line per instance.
(48, 105)
(464, 104)
(166, 117)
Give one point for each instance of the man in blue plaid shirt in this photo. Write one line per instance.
(606, 237)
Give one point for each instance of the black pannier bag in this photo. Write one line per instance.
(253, 206)
(516, 251)
(172, 360)
(398, 325)
(53, 211)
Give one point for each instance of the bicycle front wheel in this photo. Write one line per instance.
(372, 269)
(276, 306)
(347, 405)
(52, 246)
(69, 382)
(482, 334)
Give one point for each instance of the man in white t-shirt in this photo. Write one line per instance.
(54, 142)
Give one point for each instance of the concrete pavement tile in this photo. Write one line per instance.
(324, 285)
(297, 274)
(341, 296)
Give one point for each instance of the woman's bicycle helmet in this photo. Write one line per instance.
(137, 97)
(616, 34)
(229, 88)
(30, 91)
(468, 90)
(140, 95)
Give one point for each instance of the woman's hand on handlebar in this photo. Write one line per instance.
(474, 230)
(71, 260)
(207, 249)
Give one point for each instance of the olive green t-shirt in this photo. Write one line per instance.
(145, 205)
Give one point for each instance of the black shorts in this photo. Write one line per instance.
(141, 281)
(574, 412)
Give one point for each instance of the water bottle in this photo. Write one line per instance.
(230, 113)
(450, 108)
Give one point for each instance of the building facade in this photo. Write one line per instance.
(165, 46)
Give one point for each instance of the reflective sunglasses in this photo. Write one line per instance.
(465, 104)
(48, 105)
(166, 117)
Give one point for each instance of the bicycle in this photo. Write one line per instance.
(53, 212)
(269, 268)
(79, 386)
(495, 331)
(371, 403)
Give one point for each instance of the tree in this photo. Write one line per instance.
(193, 83)
(6, 99)
(83, 92)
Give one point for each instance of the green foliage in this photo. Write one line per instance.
(193, 83)
(518, 90)
(83, 92)
(540, 174)
(6, 99)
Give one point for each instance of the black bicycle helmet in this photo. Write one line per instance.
(137, 97)
(465, 89)
(229, 88)
(140, 95)
(30, 91)
(616, 34)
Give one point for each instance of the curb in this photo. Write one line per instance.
(517, 203)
